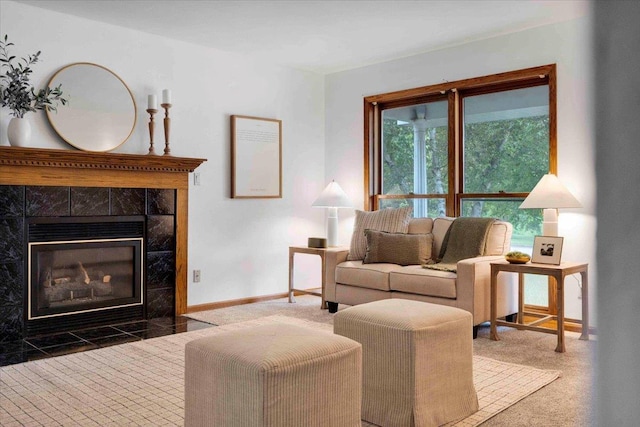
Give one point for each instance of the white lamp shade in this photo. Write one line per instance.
(549, 192)
(333, 197)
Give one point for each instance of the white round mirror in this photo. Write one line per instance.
(101, 113)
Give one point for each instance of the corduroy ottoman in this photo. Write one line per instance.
(417, 361)
(274, 375)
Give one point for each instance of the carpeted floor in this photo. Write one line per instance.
(564, 402)
(141, 383)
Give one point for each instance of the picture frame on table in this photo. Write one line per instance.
(547, 250)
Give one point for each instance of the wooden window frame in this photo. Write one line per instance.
(455, 92)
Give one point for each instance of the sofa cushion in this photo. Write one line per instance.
(417, 280)
(390, 220)
(372, 276)
(420, 225)
(440, 227)
(499, 238)
(397, 248)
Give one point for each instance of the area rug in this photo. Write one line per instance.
(305, 307)
(142, 383)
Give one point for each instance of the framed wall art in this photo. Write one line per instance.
(547, 250)
(256, 157)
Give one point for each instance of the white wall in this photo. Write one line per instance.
(241, 246)
(566, 44)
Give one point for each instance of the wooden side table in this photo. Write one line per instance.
(321, 252)
(558, 272)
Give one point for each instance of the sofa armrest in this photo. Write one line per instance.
(332, 259)
(474, 288)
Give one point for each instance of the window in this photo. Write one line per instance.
(473, 147)
(414, 152)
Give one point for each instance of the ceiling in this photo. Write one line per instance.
(324, 36)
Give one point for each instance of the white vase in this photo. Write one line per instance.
(19, 132)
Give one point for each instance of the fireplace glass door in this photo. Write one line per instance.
(67, 277)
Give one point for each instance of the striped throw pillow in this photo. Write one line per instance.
(391, 220)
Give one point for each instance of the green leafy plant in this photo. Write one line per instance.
(16, 91)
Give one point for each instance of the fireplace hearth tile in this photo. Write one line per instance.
(160, 303)
(20, 350)
(157, 327)
(12, 200)
(10, 322)
(155, 332)
(160, 270)
(160, 233)
(74, 347)
(25, 355)
(11, 283)
(132, 327)
(161, 202)
(89, 201)
(95, 333)
(47, 201)
(127, 201)
(55, 340)
(163, 322)
(115, 340)
(11, 242)
(17, 346)
(192, 325)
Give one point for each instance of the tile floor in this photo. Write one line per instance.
(88, 339)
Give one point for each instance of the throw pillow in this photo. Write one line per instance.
(397, 248)
(392, 220)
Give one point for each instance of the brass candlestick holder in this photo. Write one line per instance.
(152, 126)
(167, 128)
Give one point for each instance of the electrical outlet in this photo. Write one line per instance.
(196, 276)
(196, 178)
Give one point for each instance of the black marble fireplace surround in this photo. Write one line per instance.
(20, 203)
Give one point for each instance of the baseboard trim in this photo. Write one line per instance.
(231, 303)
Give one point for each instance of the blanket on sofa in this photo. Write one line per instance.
(464, 239)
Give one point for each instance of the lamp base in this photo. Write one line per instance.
(332, 227)
(550, 222)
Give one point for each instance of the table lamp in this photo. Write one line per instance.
(550, 194)
(332, 198)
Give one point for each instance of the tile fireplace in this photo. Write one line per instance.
(90, 238)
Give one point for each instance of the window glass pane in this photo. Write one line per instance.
(414, 149)
(430, 207)
(527, 223)
(536, 290)
(506, 140)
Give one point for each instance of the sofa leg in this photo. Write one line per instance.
(475, 331)
(332, 306)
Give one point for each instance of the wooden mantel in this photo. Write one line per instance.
(17, 156)
(51, 167)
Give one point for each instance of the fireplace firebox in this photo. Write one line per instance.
(84, 271)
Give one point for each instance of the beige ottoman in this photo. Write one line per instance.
(273, 375)
(417, 361)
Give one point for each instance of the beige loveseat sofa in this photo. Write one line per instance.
(354, 282)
